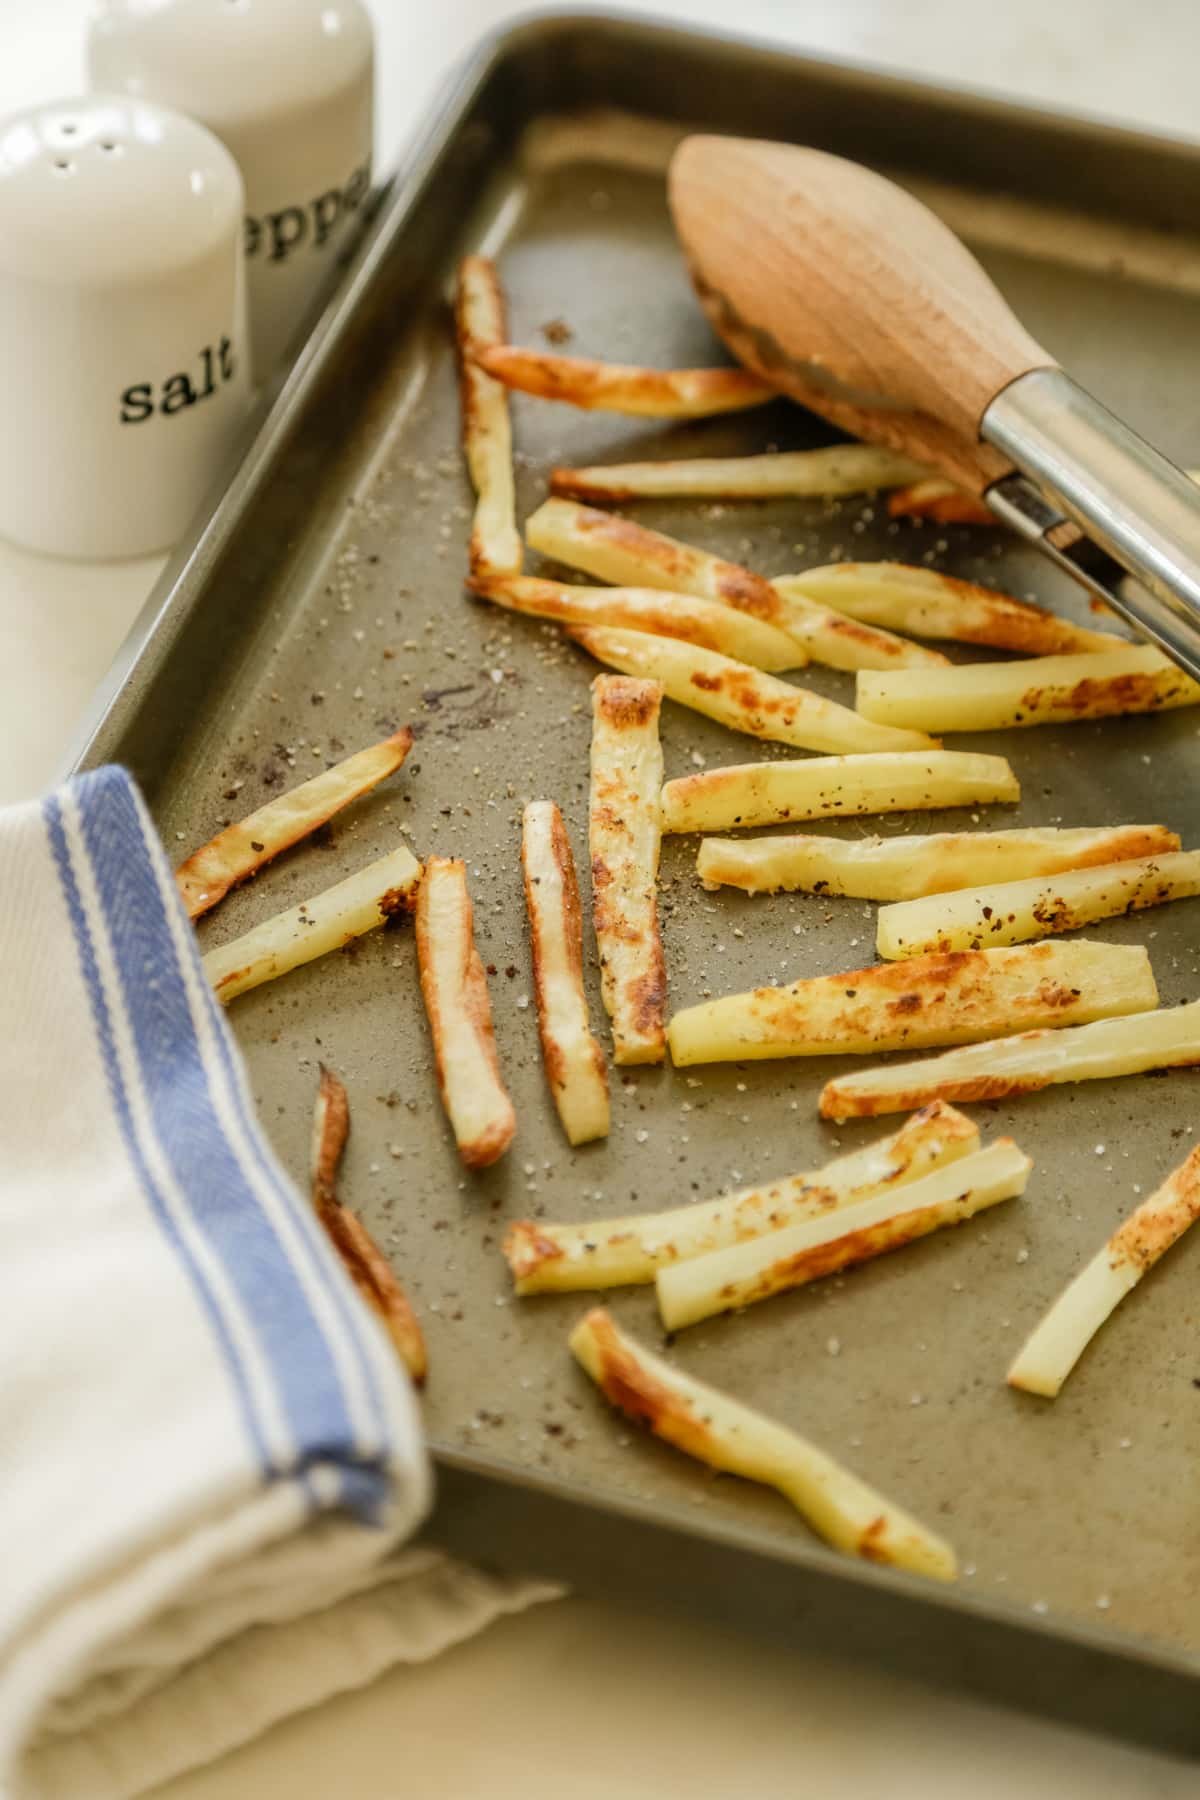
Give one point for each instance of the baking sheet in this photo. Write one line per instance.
(342, 615)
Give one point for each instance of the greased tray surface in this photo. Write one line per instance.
(329, 608)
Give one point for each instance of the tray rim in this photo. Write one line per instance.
(179, 590)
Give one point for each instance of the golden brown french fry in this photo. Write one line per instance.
(779, 1260)
(454, 988)
(624, 387)
(907, 868)
(721, 1432)
(546, 1258)
(242, 849)
(703, 622)
(1011, 912)
(573, 1060)
(361, 1256)
(1044, 690)
(840, 469)
(496, 547)
(835, 787)
(1062, 1336)
(625, 837)
(954, 997)
(940, 501)
(925, 603)
(1011, 1066)
(365, 900)
(739, 697)
(617, 550)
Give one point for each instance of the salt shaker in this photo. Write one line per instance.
(123, 353)
(288, 86)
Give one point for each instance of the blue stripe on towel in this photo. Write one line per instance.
(120, 1100)
(220, 1197)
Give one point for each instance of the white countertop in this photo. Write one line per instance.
(579, 1698)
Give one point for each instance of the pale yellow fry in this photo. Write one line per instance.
(724, 1434)
(454, 989)
(739, 697)
(1009, 1067)
(624, 839)
(835, 787)
(496, 547)
(926, 1001)
(618, 550)
(1045, 690)
(703, 622)
(242, 849)
(925, 603)
(800, 474)
(906, 868)
(548, 1258)
(360, 1255)
(1057, 1343)
(788, 1258)
(574, 1061)
(1012, 912)
(328, 921)
(624, 387)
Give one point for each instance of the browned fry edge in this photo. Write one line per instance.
(939, 501)
(640, 1396)
(572, 911)
(473, 998)
(360, 1255)
(209, 893)
(1141, 1241)
(331, 1128)
(586, 382)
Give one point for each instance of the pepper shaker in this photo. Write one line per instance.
(288, 87)
(123, 354)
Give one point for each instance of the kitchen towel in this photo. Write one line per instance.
(210, 1458)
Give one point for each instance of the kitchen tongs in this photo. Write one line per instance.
(850, 296)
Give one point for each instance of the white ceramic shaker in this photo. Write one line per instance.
(288, 87)
(124, 362)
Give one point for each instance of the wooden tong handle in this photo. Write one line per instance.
(851, 296)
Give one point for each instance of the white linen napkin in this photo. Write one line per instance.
(210, 1458)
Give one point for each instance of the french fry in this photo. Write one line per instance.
(739, 697)
(906, 868)
(1012, 912)
(1044, 690)
(624, 387)
(619, 551)
(924, 603)
(788, 1258)
(695, 621)
(496, 547)
(455, 992)
(574, 1061)
(940, 501)
(1011, 1066)
(788, 474)
(726, 1435)
(242, 849)
(365, 900)
(546, 1258)
(953, 997)
(835, 787)
(624, 840)
(361, 1256)
(1141, 1240)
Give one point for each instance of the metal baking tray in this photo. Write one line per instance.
(320, 604)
